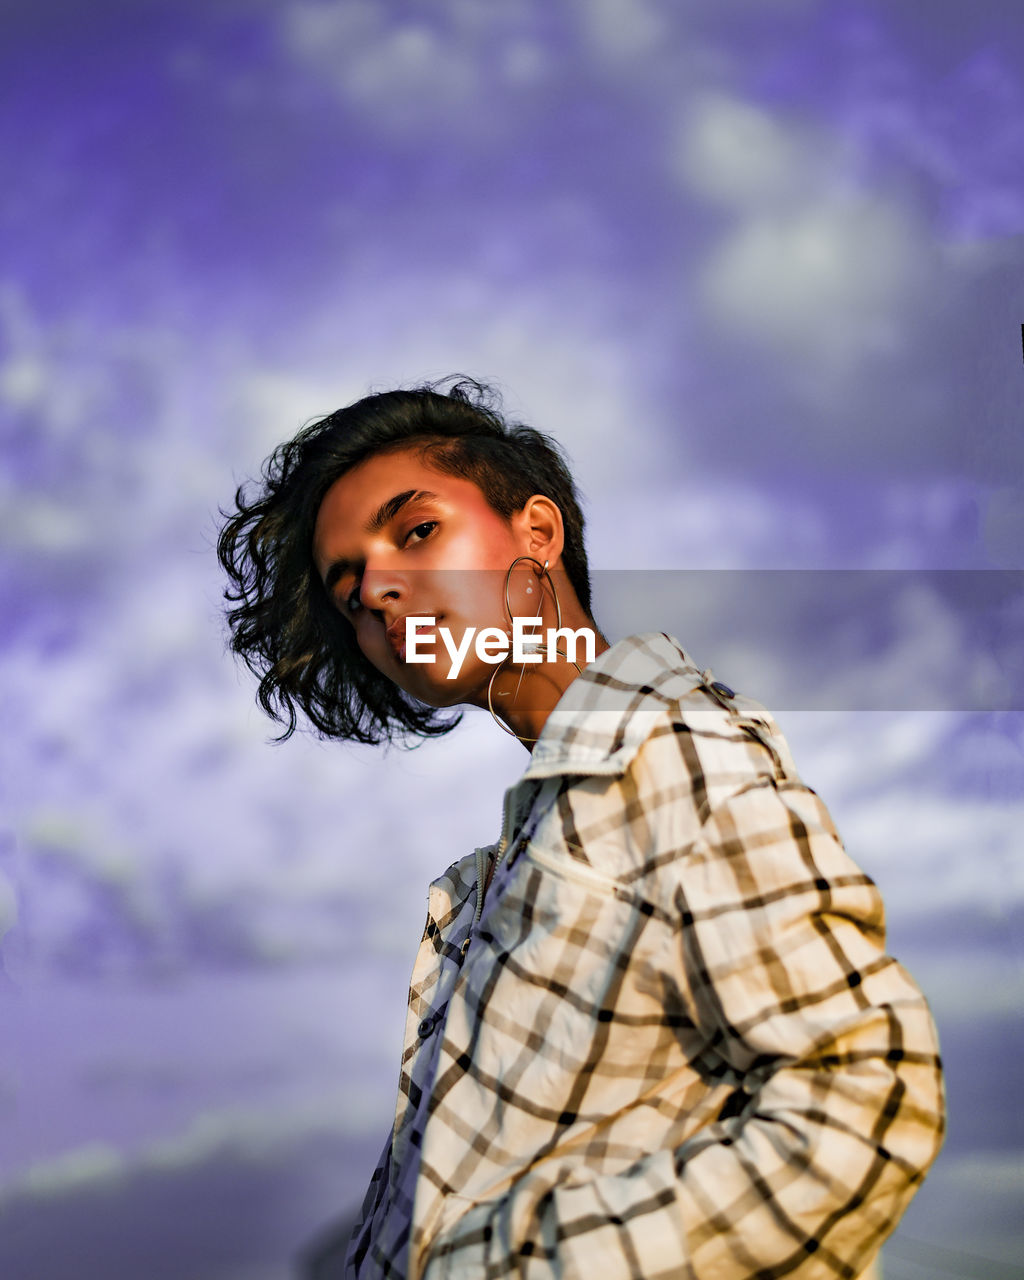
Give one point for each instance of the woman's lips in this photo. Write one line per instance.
(396, 637)
(396, 641)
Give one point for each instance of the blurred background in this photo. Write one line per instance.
(757, 264)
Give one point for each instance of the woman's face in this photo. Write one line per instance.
(394, 537)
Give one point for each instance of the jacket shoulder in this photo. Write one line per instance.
(691, 723)
(723, 740)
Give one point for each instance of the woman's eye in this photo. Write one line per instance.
(427, 524)
(352, 603)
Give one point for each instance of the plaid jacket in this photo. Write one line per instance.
(669, 1041)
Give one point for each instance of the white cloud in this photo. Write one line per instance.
(932, 851)
(622, 30)
(1003, 526)
(85, 1166)
(741, 155)
(849, 754)
(452, 67)
(254, 1134)
(811, 265)
(993, 1173)
(8, 906)
(967, 987)
(702, 520)
(930, 649)
(827, 283)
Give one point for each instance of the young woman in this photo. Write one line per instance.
(652, 1030)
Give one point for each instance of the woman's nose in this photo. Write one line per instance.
(381, 584)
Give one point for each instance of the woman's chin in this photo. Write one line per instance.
(437, 690)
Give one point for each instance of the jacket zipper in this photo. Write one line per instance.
(481, 861)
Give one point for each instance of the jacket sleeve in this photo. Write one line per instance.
(780, 960)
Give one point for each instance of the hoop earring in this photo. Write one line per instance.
(542, 571)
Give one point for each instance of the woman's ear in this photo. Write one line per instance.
(542, 528)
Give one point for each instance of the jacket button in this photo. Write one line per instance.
(722, 690)
(426, 1026)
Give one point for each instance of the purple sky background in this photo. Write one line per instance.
(758, 266)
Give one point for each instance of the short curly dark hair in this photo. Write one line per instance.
(282, 623)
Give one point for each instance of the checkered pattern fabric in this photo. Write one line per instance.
(673, 1044)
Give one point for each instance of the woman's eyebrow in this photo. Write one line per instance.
(389, 509)
(385, 513)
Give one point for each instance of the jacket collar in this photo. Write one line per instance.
(609, 710)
